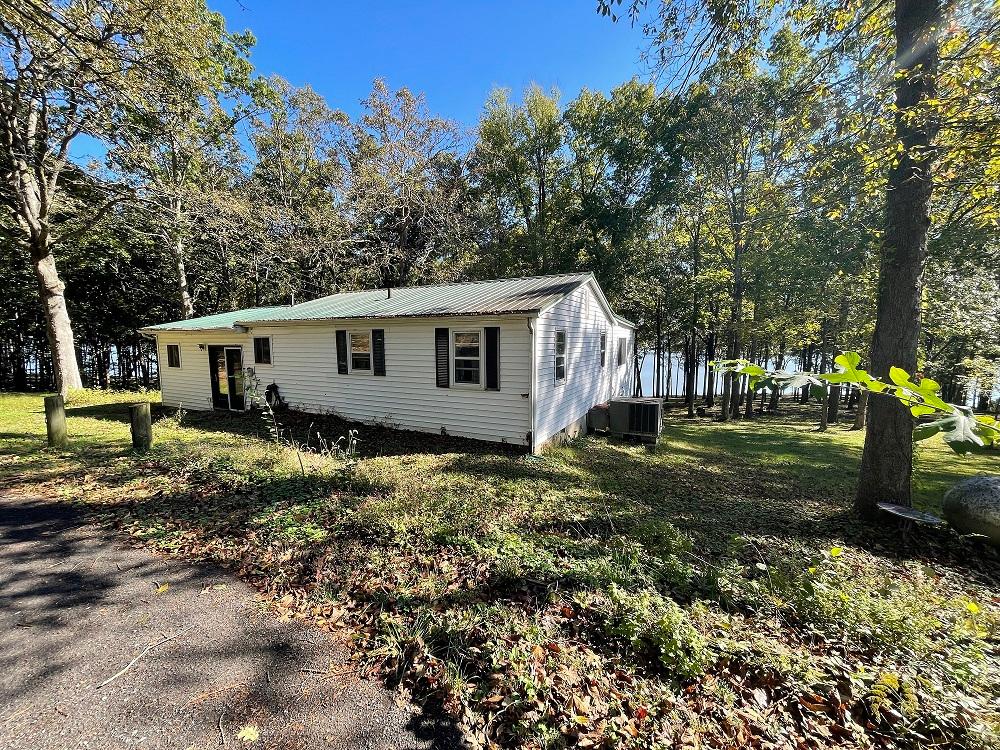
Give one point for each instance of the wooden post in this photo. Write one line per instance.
(142, 426)
(55, 421)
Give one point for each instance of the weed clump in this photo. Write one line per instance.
(655, 628)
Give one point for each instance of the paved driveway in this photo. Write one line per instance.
(76, 607)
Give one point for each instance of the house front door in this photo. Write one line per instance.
(226, 369)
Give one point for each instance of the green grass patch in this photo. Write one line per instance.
(601, 595)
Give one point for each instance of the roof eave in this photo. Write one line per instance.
(412, 316)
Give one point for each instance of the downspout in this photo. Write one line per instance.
(532, 386)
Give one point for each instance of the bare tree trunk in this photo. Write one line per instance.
(776, 390)
(862, 411)
(736, 396)
(709, 370)
(833, 405)
(65, 368)
(887, 461)
(824, 409)
(727, 391)
(187, 306)
(692, 372)
(670, 370)
(637, 374)
(658, 353)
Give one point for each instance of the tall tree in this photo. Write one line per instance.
(72, 68)
(183, 142)
(958, 98)
(405, 188)
(887, 460)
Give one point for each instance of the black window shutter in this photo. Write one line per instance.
(342, 352)
(441, 355)
(492, 358)
(378, 351)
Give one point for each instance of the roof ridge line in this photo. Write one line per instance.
(451, 283)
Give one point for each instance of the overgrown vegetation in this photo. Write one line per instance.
(715, 591)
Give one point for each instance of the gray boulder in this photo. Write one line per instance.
(973, 507)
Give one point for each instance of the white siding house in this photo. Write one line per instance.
(516, 361)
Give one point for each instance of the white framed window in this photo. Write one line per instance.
(621, 351)
(560, 358)
(262, 350)
(604, 348)
(361, 351)
(173, 355)
(466, 354)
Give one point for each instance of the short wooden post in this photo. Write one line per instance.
(55, 421)
(142, 426)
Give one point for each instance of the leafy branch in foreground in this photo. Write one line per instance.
(961, 428)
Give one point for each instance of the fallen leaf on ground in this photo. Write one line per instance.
(249, 733)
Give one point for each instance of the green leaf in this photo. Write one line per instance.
(960, 430)
(847, 361)
(794, 379)
(748, 368)
(766, 384)
(924, 431)
(988, 431)
(901, 377)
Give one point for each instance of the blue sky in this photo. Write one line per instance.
(453, 51)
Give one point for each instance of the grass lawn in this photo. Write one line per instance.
(714, 591)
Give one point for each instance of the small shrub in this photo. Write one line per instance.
(892, 692)
(657, 628)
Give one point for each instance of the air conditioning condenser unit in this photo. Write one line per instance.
(639, 418)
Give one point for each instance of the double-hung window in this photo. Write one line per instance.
(560, 363)
(468, 356)
(262, 350)
(604, 348)
(621, 351)
(361, 351)
(173, 355)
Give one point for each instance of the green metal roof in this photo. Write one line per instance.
(499, 297)
(219, 321)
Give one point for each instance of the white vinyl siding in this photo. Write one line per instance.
(559, 404)
(190, 386)
(407, 397)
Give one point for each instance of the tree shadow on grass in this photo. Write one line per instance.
(305, 429)
(792, 495)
